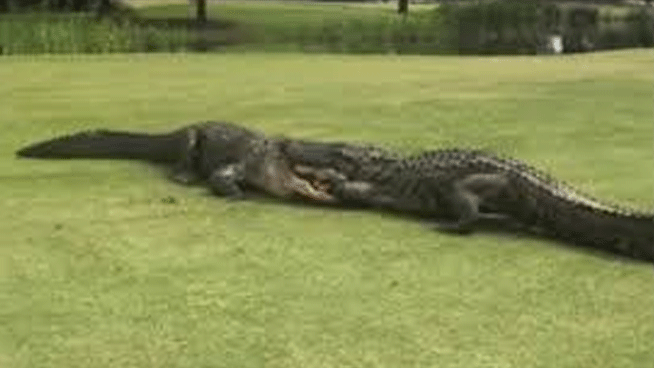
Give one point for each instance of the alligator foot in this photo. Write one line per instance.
(225, 181)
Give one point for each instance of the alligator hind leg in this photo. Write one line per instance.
(467, 195)
(186, 171)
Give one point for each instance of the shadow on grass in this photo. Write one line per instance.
(505, 228)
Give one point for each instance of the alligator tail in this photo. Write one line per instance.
(106, 144)
(615, 231)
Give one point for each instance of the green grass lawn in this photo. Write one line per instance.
(99, 269)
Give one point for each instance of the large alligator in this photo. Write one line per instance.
(225, 156)
(455, 184)
(466, 185)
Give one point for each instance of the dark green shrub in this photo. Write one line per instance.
(580, 29)
(635, 29)
(644, 28)
(493, 27)
(504, 27)
(33, 33)
(416, 33)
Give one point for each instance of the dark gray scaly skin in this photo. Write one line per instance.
(222, 155)
(466, 185)
(230, 158)
(457, 184)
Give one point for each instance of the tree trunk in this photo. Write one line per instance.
(202, 11)
(104, 7)
(403, 6)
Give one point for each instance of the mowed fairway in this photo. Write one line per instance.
(106, 264)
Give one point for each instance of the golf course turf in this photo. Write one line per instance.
(107, 264)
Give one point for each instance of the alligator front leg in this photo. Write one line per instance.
(464, 206)
(226, 180)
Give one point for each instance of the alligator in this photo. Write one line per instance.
(226, 157)
(460, 187)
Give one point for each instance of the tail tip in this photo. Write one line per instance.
(25, 152)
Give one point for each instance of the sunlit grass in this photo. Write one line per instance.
(99, 269)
